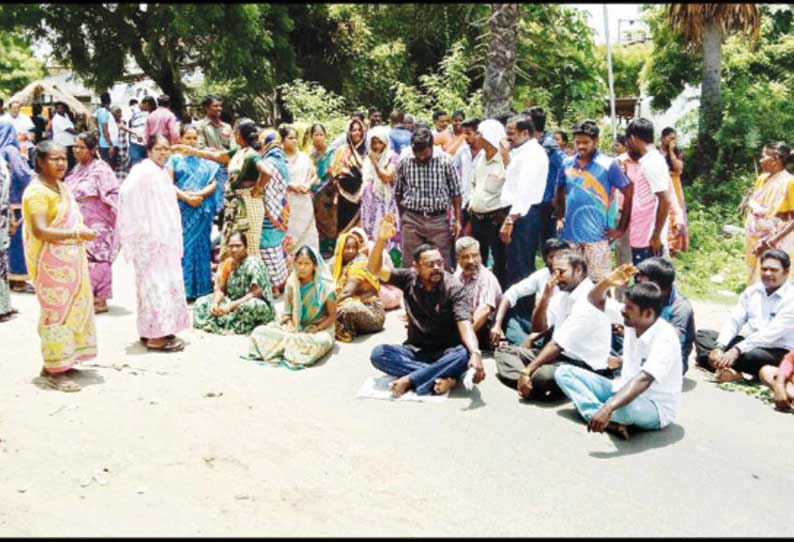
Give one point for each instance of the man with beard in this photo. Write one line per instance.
(480, 285)
(645, 167)
(581, 334)
(441, 340)
(648, 393)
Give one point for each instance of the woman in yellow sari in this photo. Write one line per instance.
(56, 258)
(305, 332)
(770, 211)
(359, 306)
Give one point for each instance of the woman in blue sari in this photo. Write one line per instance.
(196, 182)
(20, 178)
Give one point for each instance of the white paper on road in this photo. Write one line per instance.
(378, 388)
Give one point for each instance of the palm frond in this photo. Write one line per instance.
(691, 19)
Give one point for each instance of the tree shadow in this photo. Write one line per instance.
(83, 377)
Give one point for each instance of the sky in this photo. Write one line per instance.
(615, 11)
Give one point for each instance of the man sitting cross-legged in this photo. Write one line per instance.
(441, 340)
(581, 335)
(517, 327)
(480, 284)
(648, 392)
(759, 331)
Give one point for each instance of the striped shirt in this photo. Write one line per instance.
(427, 187)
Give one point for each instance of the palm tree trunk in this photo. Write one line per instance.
(497, 95)
(710, 97)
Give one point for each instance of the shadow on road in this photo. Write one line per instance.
(83, 377)
(474, 397)
(642, 441)
(115, 310)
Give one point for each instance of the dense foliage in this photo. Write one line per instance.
(18, 66)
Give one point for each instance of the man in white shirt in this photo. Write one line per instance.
(464, 165)
(759, 331)
(517, 328)
(525, 182)
(648, 393)
(23, 125)
(581, 336)
(63, 131)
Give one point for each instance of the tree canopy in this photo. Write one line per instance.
(18, 66)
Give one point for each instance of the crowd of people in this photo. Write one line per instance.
(445, 221)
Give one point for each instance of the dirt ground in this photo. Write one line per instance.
(204, 443)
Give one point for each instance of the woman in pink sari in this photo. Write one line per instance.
(55, 254)
(96, 188)
(150, 230)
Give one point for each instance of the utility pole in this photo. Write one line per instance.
(611, 78)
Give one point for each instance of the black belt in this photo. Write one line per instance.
(428, 214)
(489, 214)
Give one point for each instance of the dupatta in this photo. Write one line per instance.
(357, 267)
(368, 173)
(347, 164)
(311, 298)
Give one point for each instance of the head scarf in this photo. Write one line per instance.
(347, 164)
(304, 142)
(368, 173)
(276, 208)
(322, 288)
(492, 131)
(357, 267)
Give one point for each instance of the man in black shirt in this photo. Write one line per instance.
(441, 340)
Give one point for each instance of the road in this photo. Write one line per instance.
(203, 443)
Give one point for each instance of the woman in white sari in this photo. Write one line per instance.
(378, 174)
(302, 229)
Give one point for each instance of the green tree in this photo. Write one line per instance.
(627, 65)
(18, 66)
(229, 42)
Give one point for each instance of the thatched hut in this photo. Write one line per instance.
(48, 94)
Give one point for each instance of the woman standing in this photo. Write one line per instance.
(274, 227)
(151, 236)
(243, 297)
(678, 235)
(378, 175)
(195, 181)
(305, 332)
(96, 189)
(346, 169)
(324, 191)
(302, 228)
(56, 258)
(6, 311)
(770, 216)
(20, 178)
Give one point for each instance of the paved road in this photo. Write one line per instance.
(143, 450)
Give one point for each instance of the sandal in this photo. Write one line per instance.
(26, 289)
(7, 316)
(60, 382)
(173, 345)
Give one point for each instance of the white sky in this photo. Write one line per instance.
(615, 12)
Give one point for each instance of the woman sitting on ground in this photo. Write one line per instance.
(243, 297)
(305, 332)
(359, 307)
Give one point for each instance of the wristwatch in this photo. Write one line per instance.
(477, 351)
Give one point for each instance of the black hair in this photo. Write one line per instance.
(421, 249)
(241, 235)
(621, 139)
(782, 151)
(152, 141)
(472, 123)
(459, 113)
(587, 127)
(419, 124)
(504, 117)
(149, 100)
(44, 148)
(667, 131)
(89, 139)
(538, 116)
(2, 102)
(360, 115)
(640, 128)
(314, 127)
(563, 135)
(554, 245)
(522, 123)
(36, 109)
(185, 127)
(249, 131)
(438, 114)
(209, 98)
(397, 117)
(133, 101)
(284, 130)
(163, 100)
(575, 259)
(776, 254)
(372, 110)
(421, 139)
(104, 98)
(306, 251)
(659, 270)
(646, 295)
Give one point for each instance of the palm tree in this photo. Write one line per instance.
(706, 25)
(500, 75)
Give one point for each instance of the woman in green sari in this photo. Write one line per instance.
(325, 192)
(305, 332)
(243, 298)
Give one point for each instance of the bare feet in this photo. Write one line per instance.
(727, 375)
(617, 429)
(400, 386)
(100, 306)
(443, 385)
(60, 381)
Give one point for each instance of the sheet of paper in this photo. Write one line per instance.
(378, 388)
